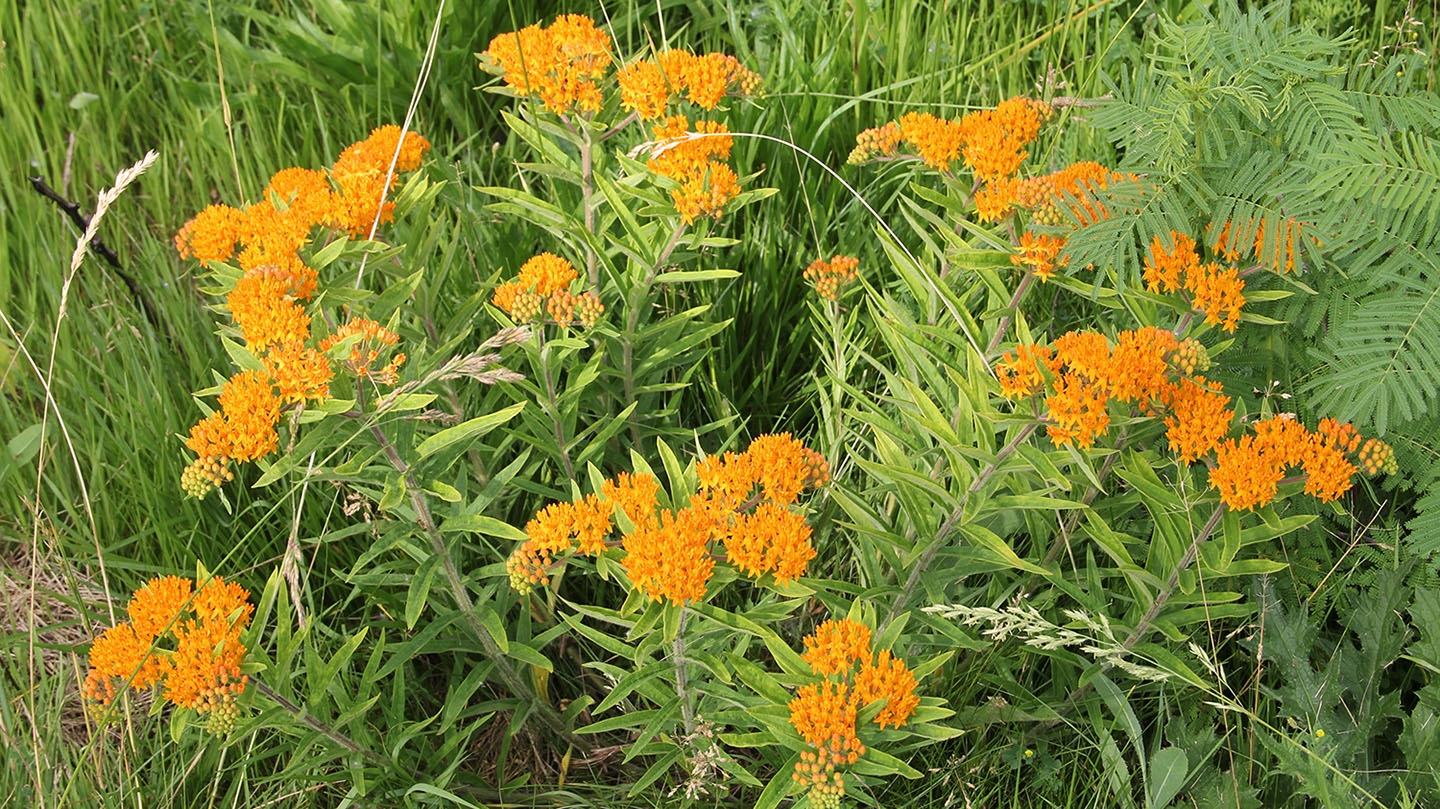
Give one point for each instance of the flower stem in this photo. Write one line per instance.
(951, 522)
(682, 677)
(552, 407)
(502, 667)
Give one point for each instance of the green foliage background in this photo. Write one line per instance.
(230, 92)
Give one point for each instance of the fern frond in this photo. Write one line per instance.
(1384, 363)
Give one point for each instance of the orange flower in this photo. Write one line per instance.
(887, 679)
(208, 655)
(1086, 353)
(157, 604)
(644, 88)
(995, 200)
(774, 539)
(1284, 440)
(995, 140)
(1138, 366)
(546, 274)
(211, 235)
(836, 646)
(1327, 472)
(830, 277)
(298, 373)
(636, 497)
(266, 314)
(1019, 372)
(1078, 411)
(201, 671)
(672, 561)
(1243, 475)
(825, 711)
(1198, 417)
(1164, 269)
(244, 427)
(120, 657)
(373, 341)
(937, 141)
(562, 64)
(558, 526)
(1217, 291)
(706, 183)
(1040, 252)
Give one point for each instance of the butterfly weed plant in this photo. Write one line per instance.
(1034, 470)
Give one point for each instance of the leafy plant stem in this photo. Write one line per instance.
(587, 190)
(511, 678)
(636, 302)
(941, 535)
(325, 730)
(1147, 620)
(1011, 307)
(1185, 562)
(682, 678)
(553, 408)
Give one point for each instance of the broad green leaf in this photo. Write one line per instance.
(1168, 770)
(474, 428)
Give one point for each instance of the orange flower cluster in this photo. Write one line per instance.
(831, 277)
(694, 158)
(1041, 253)
(825, 713)
(561, 64)
(744, 504)
(1213, 290)
(266, 303)
(183, 638)
(991, 142)
(1148, 367)
(543, 284)
(368, 342)
(648, 86)
(1248, 471)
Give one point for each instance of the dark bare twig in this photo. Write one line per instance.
(100, 247)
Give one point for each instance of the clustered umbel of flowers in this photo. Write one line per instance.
(566, 66)
(992, 145)
(541, 290)
(831, 277)
(183, 638)
(826, 712)
(1213, 289)
(1081, 374)
(266, 304)
(745, 505)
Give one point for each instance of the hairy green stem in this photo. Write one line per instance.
(552, 406)
(636, 301)
(953, 520)
(1011, 307)
(325, 730)
(587, 190)
(502, 667)
(1148, 619)
(682, 676)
